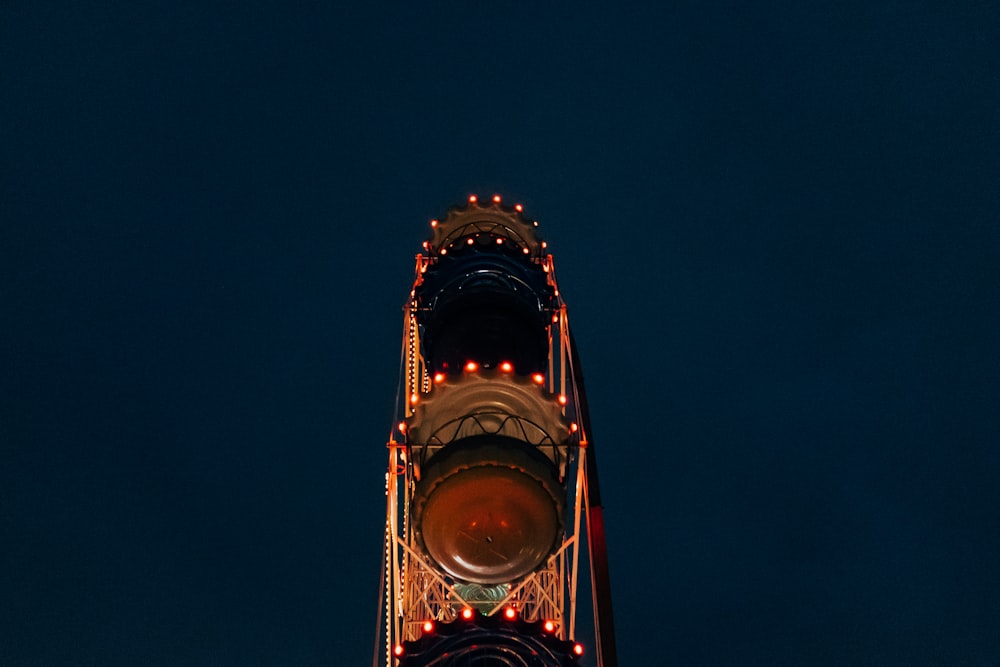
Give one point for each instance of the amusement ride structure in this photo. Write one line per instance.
(493, 510)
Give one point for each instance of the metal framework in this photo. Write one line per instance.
(415, 590)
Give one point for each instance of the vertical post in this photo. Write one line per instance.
(577, 506)
(596, 540)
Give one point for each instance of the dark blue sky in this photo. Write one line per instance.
(776, 228)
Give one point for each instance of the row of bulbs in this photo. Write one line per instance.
(509, 613)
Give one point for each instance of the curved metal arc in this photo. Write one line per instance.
(455, 426)
(484, 227)
(433, 438)
(458, 282)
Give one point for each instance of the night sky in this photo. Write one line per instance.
(776, 228)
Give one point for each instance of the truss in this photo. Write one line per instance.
(415, 591)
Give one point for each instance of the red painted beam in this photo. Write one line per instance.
(596, 541)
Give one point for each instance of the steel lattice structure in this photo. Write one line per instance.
(492, 505)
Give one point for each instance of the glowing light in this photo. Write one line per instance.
(535, 223)
(496, 199)
(549, 626)
(538, 378)
(467, 613)
(428, 626)
(402, 427)
(426, 245)
(473, 199)
(439, 377)
(506, 366)
(518, 208)
(413, 399)
(555, 318)
(470, 240)
(434, 223)
(525, 251)
(573, 428)
(444, 251)
(544, 244)
(510, 613)
(578, 649)
(471, 366)
(397, 650)
(500, 241)
(562, 399)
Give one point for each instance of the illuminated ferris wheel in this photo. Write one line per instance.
(494, 526)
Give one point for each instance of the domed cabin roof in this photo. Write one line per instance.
(486, 219)
(487, 401)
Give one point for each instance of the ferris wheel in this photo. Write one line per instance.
(494, 525)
